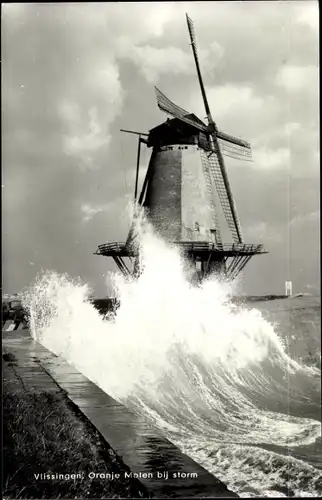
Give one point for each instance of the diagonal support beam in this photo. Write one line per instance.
(147, 177)
(137, 169)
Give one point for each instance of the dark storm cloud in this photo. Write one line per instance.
(74, 74)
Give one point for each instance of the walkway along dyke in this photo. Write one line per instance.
(155, 461)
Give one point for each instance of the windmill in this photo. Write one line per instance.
(185, 188)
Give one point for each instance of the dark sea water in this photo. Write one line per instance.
(298, 321)
(273, 468)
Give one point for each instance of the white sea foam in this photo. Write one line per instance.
(183, 356)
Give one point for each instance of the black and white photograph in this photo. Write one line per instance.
(161, 315)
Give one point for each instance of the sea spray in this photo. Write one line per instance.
(203, 370)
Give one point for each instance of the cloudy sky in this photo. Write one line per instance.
(74, 74)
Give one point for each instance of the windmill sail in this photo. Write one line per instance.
(231, 146)
(172, 109)
(218, 167)
(168, 106)
(233, 140)
(195, 55)
(231, 218)
(235, 152)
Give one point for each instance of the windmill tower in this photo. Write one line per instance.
(186, 187)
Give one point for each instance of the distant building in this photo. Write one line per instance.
(288, 288)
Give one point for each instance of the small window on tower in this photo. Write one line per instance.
(197, 227)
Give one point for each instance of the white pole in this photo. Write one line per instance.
(288, 288)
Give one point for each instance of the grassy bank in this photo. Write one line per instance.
(44, 433)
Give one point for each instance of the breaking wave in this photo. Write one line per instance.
(213, 376)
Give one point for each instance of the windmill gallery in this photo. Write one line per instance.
(186, 188)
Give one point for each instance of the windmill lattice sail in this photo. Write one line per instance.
(216, 173)
(172, 109)
(168, 106)
(185, 183)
